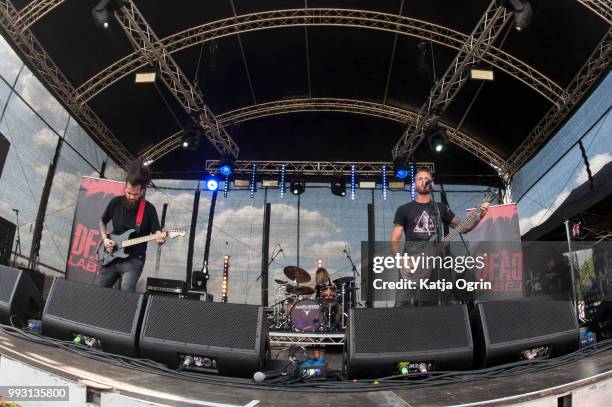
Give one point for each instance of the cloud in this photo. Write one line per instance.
(45, 137)
(596, 163)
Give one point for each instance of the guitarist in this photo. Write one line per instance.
(418, 221)
(123, 212)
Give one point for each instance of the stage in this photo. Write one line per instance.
(588, 380)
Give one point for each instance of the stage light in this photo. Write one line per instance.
(282, 182)
(145, 77)
(212, 183)
(225, 281)
(400, 170)
(102, 13)
(412, 187)
(253, 183)
(242, 183)
(384, 182)
(482, 74)
(147, 163)
(338, 187)
(367, 184)
(190, 140)
(226, 184)
(522, 11)
(353, 180)
(422, 59)
(226, 168)
(297, 186)
(437, 140)
(396, 185)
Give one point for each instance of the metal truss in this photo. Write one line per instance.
(596, 66)
(148, 45)
(312, 168)
(46, 69)
(34, 11)
(325, 17)
(446, 88)
(361, 107)
(603, 8)
(305, 339)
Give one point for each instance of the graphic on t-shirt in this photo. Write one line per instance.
(424, 224)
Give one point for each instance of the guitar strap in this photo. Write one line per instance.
(140, 214)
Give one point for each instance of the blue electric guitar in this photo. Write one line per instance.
(123, 241)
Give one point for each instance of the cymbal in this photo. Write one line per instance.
(298, 274)
(278, 281)
(344, 280)
(300, 290)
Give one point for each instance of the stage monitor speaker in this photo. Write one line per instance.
(4, 149)
(379, 339)
(7, 235)
(109, 315)
(227, 339)
(506, 331)
(20, 300)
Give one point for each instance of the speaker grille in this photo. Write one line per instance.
(510, 321)
(101, 307)
(202, 323)
(406, 330)
(8, 279)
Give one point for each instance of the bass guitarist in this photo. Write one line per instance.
(130, 211)
(419, 221)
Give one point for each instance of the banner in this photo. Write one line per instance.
(499, 237)
(94, 196)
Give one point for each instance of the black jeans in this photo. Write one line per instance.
(127, 270)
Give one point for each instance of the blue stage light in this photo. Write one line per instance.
(226, 168)
(384, 182)
(400, 170)
(212, 184)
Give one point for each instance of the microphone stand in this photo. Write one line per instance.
(355, 273)
(274, 256)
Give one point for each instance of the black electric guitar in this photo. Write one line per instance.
(123, 240)
(429, 247)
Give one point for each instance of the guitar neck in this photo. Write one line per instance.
(461, 228)
(137, 240)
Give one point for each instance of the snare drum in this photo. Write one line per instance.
(306, 316)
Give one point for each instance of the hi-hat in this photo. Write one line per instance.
(278, 281)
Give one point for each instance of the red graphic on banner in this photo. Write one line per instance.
(498, 239)
(94, 196)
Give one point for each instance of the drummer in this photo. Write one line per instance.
(324, 288)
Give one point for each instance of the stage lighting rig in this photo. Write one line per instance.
(102, 13)
(212, 183)
(400, 169)
(190, 140)
(437, 139)
(522, 13)
(297, 186)
(227, 167)
(338, 186)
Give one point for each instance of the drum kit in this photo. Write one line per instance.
(294, 309)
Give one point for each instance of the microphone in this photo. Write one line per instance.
(281, 250)
(428, 184)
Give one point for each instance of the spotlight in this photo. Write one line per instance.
(338, 187)
(422, 59)
(212, 184)
(522, 13)
(282, 182)
(437, 140)
(102, 13)
(253, 183)
(145, 77)
(482, 74)
(190, 139)
(353, 180)
(297, 186)
(227, 167)
(400, 170)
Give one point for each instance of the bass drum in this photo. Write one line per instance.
(306, 316)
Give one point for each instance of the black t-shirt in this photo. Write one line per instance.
(419, 219)
(124, 218)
